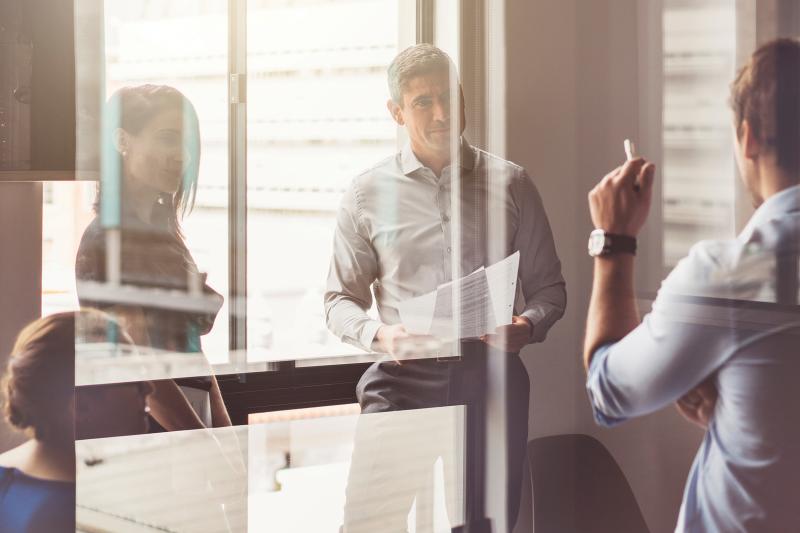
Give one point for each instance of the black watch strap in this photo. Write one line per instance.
(602, 243)
(619, 244)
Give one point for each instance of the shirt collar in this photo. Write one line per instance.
(778, 204)
(409, 162)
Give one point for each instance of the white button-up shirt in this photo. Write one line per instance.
(402, 232)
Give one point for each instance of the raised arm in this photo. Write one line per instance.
(638, 368)
(619, 204)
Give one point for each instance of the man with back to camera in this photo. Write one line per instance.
(715, 322)
(394, 234)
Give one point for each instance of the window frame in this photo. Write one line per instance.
(307, 382)
(316, 382)
(756, 22)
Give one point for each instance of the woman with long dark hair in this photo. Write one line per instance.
(150, 163)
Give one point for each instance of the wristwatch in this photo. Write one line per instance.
(602, 243)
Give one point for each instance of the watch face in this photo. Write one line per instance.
(597, 242)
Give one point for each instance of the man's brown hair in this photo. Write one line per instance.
(766, 93)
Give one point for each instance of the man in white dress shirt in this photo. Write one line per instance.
(437, 210)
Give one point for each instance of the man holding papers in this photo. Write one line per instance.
(452, 226)
(485, 300)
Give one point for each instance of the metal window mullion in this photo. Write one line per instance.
(649, 136)
(426, 21)
(237, 181)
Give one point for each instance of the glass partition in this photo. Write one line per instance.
(700, 53)
(393, 257)
(315, 115)
(153, 141)
(289, 475)
(192, 136)
(316, 118)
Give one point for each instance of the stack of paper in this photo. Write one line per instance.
(468, 307)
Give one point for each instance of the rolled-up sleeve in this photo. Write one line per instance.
(668, 354)
(653, 366)
(353, 268)
(597, 401)
(540, 276)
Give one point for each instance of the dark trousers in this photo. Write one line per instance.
(399, 438)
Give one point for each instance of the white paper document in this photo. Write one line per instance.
(467, 307)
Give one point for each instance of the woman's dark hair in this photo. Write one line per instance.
(131, 109)
(766, 93)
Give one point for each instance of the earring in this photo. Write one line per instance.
(124, 153)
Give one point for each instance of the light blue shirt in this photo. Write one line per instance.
(715, 315)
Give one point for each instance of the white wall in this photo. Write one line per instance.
(573, 95)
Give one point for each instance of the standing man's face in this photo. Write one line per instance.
(426, 114)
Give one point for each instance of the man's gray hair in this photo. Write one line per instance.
(418, 60)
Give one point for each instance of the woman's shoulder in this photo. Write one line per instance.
(12, 479)
(19, 463)
(93, 237)
(33, 504)
(6, 474)
(90, 258)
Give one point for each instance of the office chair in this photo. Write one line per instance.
(578, 487)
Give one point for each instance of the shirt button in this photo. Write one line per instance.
(445, 218)
(449, 249)
(441, 188)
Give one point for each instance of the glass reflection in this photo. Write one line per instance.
(40, 399)
(38, 476)
(721, 339)
(132, 261)
(181, 44)
(315, 119)
(179, 481)
(267, 477)
(699, 48)
(408, 230)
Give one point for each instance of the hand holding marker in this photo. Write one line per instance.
(630, 153)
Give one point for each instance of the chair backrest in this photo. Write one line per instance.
(579, 487)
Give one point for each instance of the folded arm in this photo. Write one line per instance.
(633, 368)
